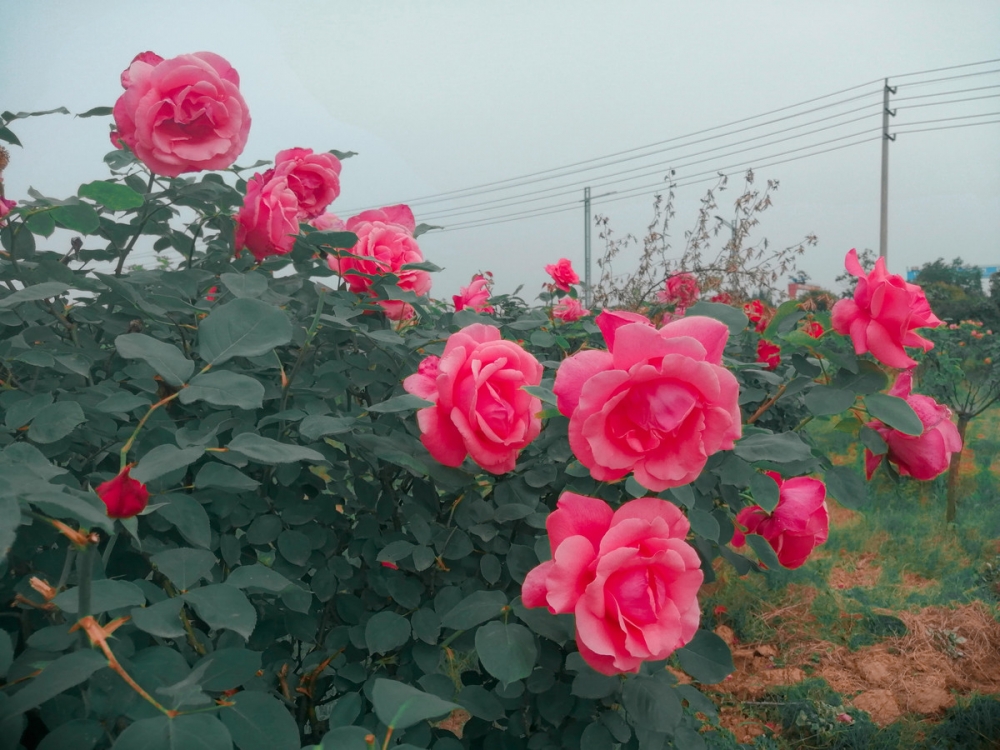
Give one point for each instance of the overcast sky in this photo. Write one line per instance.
(445, 95)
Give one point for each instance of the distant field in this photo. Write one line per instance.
(895, 617)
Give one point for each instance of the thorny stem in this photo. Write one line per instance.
(766, 405)
(146, 216)
(128, 443)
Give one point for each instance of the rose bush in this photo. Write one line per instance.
(316, 563)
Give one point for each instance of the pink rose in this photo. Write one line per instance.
(314, 178)
(884, 314)
(628, 576)
(658, 403)
(922, 456)
(562, 274)
(480, 406)
(328, 223)
(768, 353)
(268, 223)
(474, 296)
(799, 523)
(569, 309)
(385, 244)
(6, 206)
(682, 291)
(185, 114)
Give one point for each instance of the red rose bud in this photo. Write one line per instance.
(813, 328)
(125, 497)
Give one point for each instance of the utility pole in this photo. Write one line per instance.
(586, 248)
(883, 236)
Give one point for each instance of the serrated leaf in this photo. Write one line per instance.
(10, 519)
(781, 448)
(196, 731)
(399, 706)
(164, 459)
(258, 576)
(161, 619)
(62, 504)
(847, 487)
(735, 319)
(77, 217)
(652, 704)
(58, 676)
(244, 284)
(475, 609)
(224, 477)
(55, 422)
(184, 566)
(228, 668)
(506, 651)
(45, 290)
(894, 412)
(190, 518)
(315, 426)
(386, 631)
(258, 721)
(105, 595)
(405, 402)
(765, 491)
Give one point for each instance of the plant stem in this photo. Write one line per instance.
(84, 572)
(128, 443)
(146, 215)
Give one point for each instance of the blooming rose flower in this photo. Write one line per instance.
(922, 456)
(185, 114)
(314, 178)
(125, 497)
(884, 314)
(768, 353)
(813, 328)
(474, 296)
(385, 244)
(723, 298)
(569, 309)
(328, 223)
(6, 206)
(628, 576)
(562, 274)
(480, 406)
(658, 403)
(682, 291)
(267, 223)
(799, 523)
(759, 314)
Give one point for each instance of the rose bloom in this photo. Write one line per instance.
(6, 206)
(124, 497)
(268, 222)
(922, 456)
(799, 523)
(328, 223)
(385, 244)
(658, 403)
(314, 178)
(759, 314)
(884, 315)
(723, 298)
(682, 291)
(768, 353)
(474, 296)
(569, 309)
(562, 274)
(813, 328)
(627, 575)
(185, 114)
(480, 406)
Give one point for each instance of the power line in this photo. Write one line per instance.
(951, 127)
(950, 67)
(948, 78)
(944, 93)
(947, 119)
(951, 101)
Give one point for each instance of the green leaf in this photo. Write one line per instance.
(77, 217)
(105, 595)
(112, 195)
(294, 546)
(652, 704)
(164, 459)
(873, 441)
(260, 722)
(706, 658)
(315, 426)
(475, 609)
(222, 388)
(405, 402)
(242, 328)
(63, 504)
(823, 400)
(185, 566)
(267, 451)
(221, 605)
(765, 552)
(41, 224)
(191, 520)
(196, 731)
(894, 412)
(228, 668)
(765, 491)
(224, 477)
(846, 486)
(507, 652)
(45, 290)
(97, 112)
(704, 524)
(162, 619)
(386, 631)
(10, 519)
(6, 652)
(244, 284)
(122, 402)
(258, 576)
(400, 706)
(166, 359)
(57, 677)
(781, 448)
(77, 734)
(735, 319)
(596, 737)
